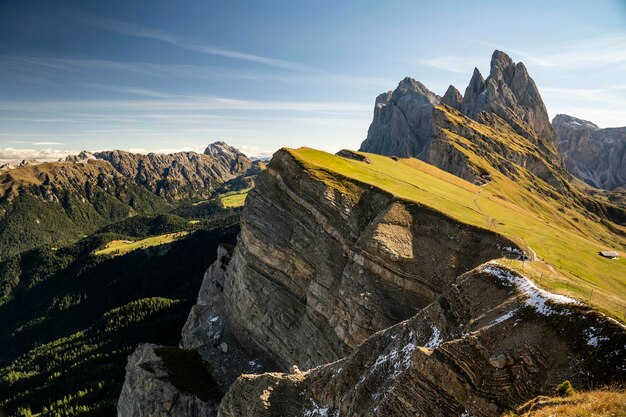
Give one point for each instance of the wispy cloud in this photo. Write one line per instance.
(53, 71)
(448, 63)
(22, 142)
(140, 31)
(186, 103)
(43, 155)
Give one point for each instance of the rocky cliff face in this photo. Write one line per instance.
(597, 156)
(490, 342)
(402, 120)
(162, 381)
(510, 93)
(317, 271)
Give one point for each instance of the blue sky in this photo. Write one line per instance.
(169, 75)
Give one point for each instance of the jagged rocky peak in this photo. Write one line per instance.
(595, 155)
(472, 92)
(402, 120)
(510, 93)
(81, 158)
(453, 98)
(222, 149)
(570, 122)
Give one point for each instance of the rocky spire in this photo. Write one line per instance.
(453, 98)
(511, 94)
(472, 92)
(402, 121)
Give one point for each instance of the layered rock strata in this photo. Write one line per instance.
(316, 271)
(489, 343)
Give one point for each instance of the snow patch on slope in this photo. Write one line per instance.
(535, 297)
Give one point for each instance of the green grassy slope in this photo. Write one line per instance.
(565, 241)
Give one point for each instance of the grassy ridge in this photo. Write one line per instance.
(565, 241)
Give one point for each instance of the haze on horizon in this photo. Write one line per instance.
(166, 76)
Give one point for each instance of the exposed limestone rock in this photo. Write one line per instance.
(490, 343)
(166, 381)
(317, 271)
(348, 154)
(81, 158)
(207, 329)
(510, 93)
(181, 175)
(402, 120)
(453, 98)
(456, 139)
(508, 101)
(473, 92)
(597, 156)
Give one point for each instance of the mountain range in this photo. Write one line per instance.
(466, 261)
(56, 203)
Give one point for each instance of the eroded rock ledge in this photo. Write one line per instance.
(491, 342)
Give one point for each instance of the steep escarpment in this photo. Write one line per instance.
(316, 270)
(597, 156)
(166, 381)
(492, 341)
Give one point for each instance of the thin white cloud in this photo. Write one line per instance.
(41, 70)
(186, 103)
(448, 63)
(139, 31)
(12, 155)
(126, 90)
(22, 142)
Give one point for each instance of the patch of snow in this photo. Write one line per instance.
(466, 414)
(214, 319)
(317, 410)
(592, 338)
(435, 339)
(535, 296)
(503, 317)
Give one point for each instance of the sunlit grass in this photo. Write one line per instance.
(561, 237)
(121, 247)
(234, 199)
(602, 403)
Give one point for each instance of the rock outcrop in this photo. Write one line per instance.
(317, 271)
(402, 120)
(453, 98)
(492, 341)
(510, 93)
(597, 156)
(207, 329)
(166, 381)
(406, 122)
